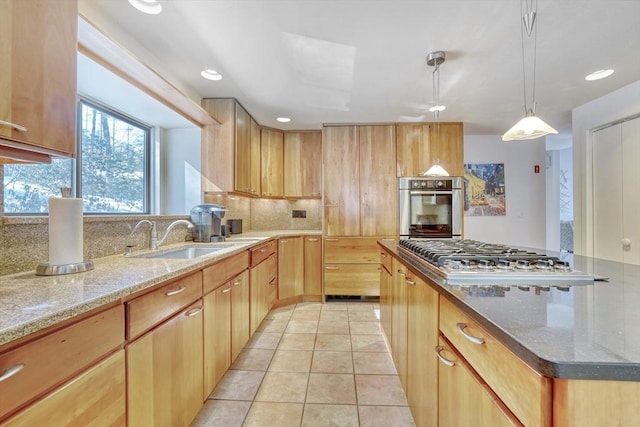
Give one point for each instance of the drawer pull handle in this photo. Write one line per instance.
(331, 239)
(194, 311)
(312, 240)
(15, 126)
(400, 272)
(176, 292)
(329, 267)
(237, 283)
(224, 291)
(443, 359)
(11, 371)
(263, 250)
(284, 241)
(475, 340)
(409, 282)
(383, 255)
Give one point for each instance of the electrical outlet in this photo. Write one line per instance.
(298, 214)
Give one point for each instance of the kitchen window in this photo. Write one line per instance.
(110, 173)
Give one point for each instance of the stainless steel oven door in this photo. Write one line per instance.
(431, 214)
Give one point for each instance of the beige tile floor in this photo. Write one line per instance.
(312, 365)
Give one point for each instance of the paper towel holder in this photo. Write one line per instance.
(44, 269)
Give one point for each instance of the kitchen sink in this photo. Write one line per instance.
(189, 252)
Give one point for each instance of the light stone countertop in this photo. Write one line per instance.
(30, 303)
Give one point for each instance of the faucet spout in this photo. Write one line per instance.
(128, 247)
(155, 243)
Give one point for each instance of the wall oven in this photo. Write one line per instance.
(431, 207)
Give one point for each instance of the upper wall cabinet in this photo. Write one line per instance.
(231, 151)
(420, 145)
(302, 164)
(272, 158)
(38, 46)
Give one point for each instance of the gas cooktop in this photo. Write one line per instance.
(470, 261)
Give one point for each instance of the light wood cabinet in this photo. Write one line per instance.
(272, 162)
(56, 358)
(418, 146)
(263, 281)
(313, 266)
(231, 151)
(38, 46)
(290, 267)
(217, 336)
(378, 183)
(240, 313)
(386, 287)
(399, 320)
(95, 397)
(165, 372)
(341, 177)
(524, 391)
(302, 165)
(464, 399)
(351, 266)
(422, 337)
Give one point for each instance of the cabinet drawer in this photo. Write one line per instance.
(95, 398)
(352, 279)
(525, 392)
(262, 252)
(351, 250)
(58, 356)
(221, 272)
(148, 310)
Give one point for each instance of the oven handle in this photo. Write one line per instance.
(429, 193)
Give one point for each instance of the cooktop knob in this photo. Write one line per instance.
(523, 264)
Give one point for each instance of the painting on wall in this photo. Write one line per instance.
(484, 189)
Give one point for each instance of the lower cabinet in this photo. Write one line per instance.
(351, 266)
(386, 287)
(165, 372)
(312, 266)
(95, 398)
(422, 337)
(240, 313)
(263, 280)
(463, 399)
(217, 336)
(290, 267)
(399, 320)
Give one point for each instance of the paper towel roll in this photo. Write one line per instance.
(65, 231)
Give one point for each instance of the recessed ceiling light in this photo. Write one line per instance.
(600, 74)
(152, 7)
(283, 119)
(210, 74)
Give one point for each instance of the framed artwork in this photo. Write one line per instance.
(484, 189)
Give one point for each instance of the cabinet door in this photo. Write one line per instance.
(302, 164)
(38, 46)
(412, 149)
(464, 399)
(290, 267)
(378, 183)
(243, 150)
(313, 265)
(272, 160)
(254, 180)
(96, 398)
(399, 321)
(446, 145)
(164, 372)
(219, 146)
(352, 279)
(259, 284)
(386, 285)
(341, 174)
(217, 336)
(422, 337)
(239, 313)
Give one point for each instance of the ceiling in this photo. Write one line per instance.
(356, 61)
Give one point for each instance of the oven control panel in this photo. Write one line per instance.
(430, 183)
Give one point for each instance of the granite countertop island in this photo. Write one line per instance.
(30, 303)
(582, 332)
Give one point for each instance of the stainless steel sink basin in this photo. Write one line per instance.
(189, 252)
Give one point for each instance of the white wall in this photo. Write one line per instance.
(180, 177)
(616, 105)
(524, 223)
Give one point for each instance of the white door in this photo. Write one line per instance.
(616, 192)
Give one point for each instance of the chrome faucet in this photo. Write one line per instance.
(128, 247)
(155, 243)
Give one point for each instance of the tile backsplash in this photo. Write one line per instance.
(25, 240)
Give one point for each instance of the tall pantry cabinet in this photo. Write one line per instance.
(359, 182)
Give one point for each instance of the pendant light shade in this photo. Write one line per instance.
(531, 126)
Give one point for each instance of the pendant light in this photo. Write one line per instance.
(530, 126)
(434, 59)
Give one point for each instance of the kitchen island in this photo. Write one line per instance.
(581, 343)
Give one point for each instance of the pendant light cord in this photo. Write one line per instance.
(530, 8)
